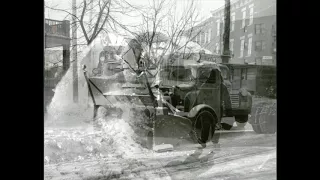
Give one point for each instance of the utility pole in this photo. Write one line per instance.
(74, 51)
(226, 34)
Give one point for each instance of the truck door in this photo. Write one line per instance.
(209, 88)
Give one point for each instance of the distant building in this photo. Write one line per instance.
(252, 42)
(252, 32)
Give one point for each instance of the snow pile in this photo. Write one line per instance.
(62, 109)
(65, 145)
(114, 138)
(68, 138)
(122, 138)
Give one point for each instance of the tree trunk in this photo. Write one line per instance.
(226, 34)
(74, 55)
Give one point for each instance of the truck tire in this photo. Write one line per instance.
(255, 116)
(268, 120)
(265, 120)
(241, 120)
(205, 117)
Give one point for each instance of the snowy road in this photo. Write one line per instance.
(245, 155)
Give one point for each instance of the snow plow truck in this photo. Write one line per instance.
(171, 112)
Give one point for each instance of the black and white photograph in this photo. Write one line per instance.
(160, 89)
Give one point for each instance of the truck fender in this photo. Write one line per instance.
(195, 110)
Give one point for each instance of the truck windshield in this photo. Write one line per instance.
(181, 74)
(177, 73)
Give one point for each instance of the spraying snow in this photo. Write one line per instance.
(69, 131)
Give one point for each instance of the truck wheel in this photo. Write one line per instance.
(203, 117)
(264, 119)
(268, 120)
(241, 120)
(255, 116)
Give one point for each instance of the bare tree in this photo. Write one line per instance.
(96, 16)
(162, 22)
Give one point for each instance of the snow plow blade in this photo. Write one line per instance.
(154, 126)
(173, 130)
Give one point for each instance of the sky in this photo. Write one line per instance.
(205, 6)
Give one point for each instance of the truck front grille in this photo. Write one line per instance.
(234, 100)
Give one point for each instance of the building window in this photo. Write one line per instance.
(218, 27)
(260, 45)
(249, 46)
(233, 18)
(217, 48)
(259, 28)
(241, 48)
(243, 18)
(251, 14)
(209, 35)
(231, 45)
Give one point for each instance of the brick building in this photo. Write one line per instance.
(252, 32)
(252, 41)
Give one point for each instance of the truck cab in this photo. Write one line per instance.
(189, 85)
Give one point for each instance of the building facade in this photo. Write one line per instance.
(252, 42)
(252, 32)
